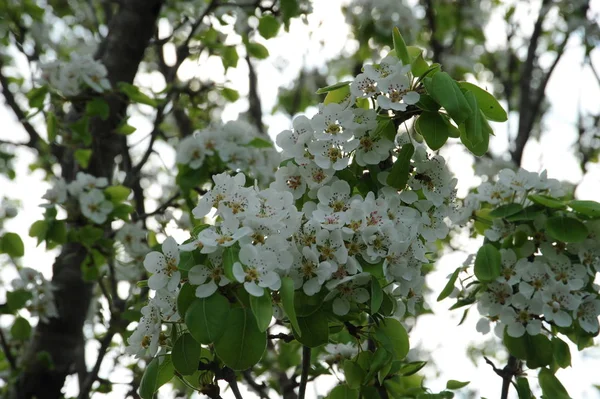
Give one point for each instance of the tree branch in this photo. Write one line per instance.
(7, 353)
(34, 137)
(92, 376)
(259, 389)
(436, 45)
(525, 86)
(305, 370)
(255, 107)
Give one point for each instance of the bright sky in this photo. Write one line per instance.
(438, 334)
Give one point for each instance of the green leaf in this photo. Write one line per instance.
(89, 235)
(166, 372)
(343, 392)
(262, 308)
(376, 295)
(504, 211)
(268, 26)
(488, 263)
(551, 386)
(36, 96)
(453, 384)
(229, 57)
(11, 244)
(230, 256)
(523, 389)
(561, 352)
(186, 354)
(427, 103)
(259, 142)
(206, 318)
(354, 374)
(490, 107)
(547, 201)
(589, 208)
(257, 50)
(411, 368)
(149, 382)
(287, 300)
(391, 334)
(528, 213)
(535, 349)
(338, 95)
(418, 64)
(186, 296)
(306, 305)
(17, 299)
(97, 107)
(381, 360)
(475, 132)
(242, 344)
(21, 329)
(566, 229)
(51, 126)
(230, 95)
(449, 287)
(117, 193)
(400, 47)
(333, 87)
(314, 328)
(434, 128)
(125, 129)
(57, 232)
(83, 157)
(385, 128)
(135, 95)
(446, 92)
(81, 130)
(399, 173)
(289, 9)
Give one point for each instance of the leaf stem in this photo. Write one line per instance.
(305, 368)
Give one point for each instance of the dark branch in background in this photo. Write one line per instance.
(255, 107)
(436, 45)
(162, 207)
(62, 337)
(7, 353)
(260, 389)
(305, 370)
(34, 137)
(526, 116)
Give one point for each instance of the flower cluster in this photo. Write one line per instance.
(237, 144)
(87, 189)
(42, 302)
(329, 222)
(542, 278)
(133, 239)
(81, 72)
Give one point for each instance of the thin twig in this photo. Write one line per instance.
(93, 375)
(162, 207)
(259, 389)
(305, 369)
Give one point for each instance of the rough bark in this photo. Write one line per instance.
(130, 30)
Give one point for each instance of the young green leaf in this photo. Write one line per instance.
(449, 287)
(268, 26)
(149, 382)
(376, 295)
(354, 374)
(547, 201)
(314, 328)
(399, 173)
(206, 318)
(434, 128)
(566, 229)
(588, 208)
(453, 384)
(287, 300)
(333, 87)
(262, 308)
(242, 344)
(446, 92)
(11, 244)
(400, 47)
(186, 354)
(487, 263)
(391, 334)
(490, 107)
(551, 386)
